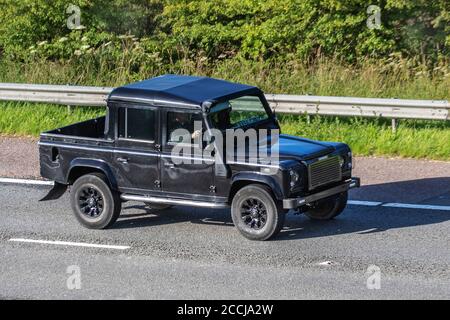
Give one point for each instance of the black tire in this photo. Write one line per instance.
(101, 212)
(328, 208)
(157, 206)
(256, 213)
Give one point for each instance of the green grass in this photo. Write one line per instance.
(413, 139)
(30, 119)
(392, 77)
(374, 137)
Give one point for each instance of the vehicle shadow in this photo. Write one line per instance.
(137, 216)
(429, 190)
(355, 219)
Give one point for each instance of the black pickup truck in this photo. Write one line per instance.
(129, 155)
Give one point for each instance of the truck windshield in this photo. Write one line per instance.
(241, 112)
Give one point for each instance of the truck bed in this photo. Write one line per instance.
(60, 147)
(90, 129)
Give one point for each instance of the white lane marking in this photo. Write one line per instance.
(74, 244)
(364, 203)
(351, 202)
(325, 263)
(416, 206)
(26, 181)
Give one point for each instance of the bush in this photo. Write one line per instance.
(252, 29)
(307, 28)
(39, 27)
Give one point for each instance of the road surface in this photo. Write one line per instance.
(393, 242)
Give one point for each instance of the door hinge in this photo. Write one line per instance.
(213, 189)
(158, 147)
(157, 184)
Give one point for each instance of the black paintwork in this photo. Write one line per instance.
(180, 91)
(146, 168)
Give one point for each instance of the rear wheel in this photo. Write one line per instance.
(256, 214)
(328, 208)
(93, 202)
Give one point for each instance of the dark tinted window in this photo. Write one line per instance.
(190, 122)
(138, 124)
(243, 111)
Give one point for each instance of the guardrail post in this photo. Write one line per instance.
(69, 109)
(394, 125)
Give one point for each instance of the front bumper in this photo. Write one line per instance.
(293, 203)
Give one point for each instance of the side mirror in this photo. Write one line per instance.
(277, 122)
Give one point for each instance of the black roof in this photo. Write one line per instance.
(180, 91)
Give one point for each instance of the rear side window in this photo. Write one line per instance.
(137, 124)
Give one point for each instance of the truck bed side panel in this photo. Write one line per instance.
(92, 129)
(57, 158)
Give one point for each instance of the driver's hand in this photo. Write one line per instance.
(196, 134)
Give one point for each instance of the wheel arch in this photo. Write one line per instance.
(244, 179)
(80, 167)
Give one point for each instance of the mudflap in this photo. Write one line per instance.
(57, 191)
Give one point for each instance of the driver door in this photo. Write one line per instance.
(184, 173)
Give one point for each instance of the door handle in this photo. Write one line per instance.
(123, 160)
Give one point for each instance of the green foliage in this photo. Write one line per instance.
(413, 138)
(320, 47)
(31, 119)
(39, 27)
(28, 22)
(307, 28)
(253, 29)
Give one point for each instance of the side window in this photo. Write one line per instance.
(137, 124)
(183, 127)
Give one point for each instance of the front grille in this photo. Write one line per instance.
(323, 172)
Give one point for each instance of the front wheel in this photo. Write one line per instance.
(256, 213)
(93, 202)
(328, 208)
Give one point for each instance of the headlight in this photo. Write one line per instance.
(295, 177)
(345, 161)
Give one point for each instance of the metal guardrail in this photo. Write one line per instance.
(64, 95)
(284, 104)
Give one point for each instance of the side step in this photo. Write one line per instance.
(176, 202)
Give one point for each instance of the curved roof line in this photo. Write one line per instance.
(180, 91)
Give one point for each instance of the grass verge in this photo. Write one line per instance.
(413, 138)
(390, 78)
(387, 78)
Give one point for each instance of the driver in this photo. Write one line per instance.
(182, 121)
(223, 119)
(222, 114)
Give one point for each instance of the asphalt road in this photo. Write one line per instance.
(185, 253)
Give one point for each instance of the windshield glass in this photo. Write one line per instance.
(241, 112)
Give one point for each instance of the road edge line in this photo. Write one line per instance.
(26, 182)
(416, 206)
(70, 244)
